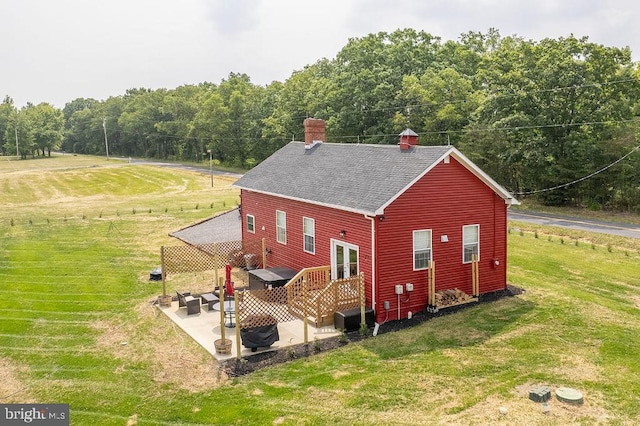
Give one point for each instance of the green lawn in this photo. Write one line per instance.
(79, 235)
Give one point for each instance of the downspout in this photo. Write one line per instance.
(373, 260)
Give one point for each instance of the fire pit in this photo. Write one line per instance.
(155, 274)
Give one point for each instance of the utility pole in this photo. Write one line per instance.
(106, 144)
(17, 150)
(210, 165)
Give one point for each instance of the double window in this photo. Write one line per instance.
(421, 249)
(470, 242)
(281, 227)
(309, 233)
(251, 224)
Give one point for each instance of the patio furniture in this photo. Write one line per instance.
(216, 293)
(230, 318)
(228, 305)
(258, 331)
(181, 296)
(208, 299)
(192, 303)
(229, 312)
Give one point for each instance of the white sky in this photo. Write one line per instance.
(58, 50)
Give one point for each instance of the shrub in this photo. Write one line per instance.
(364, 330)
(343, 336)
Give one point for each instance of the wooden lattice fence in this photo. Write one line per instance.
(263, 307)
(209, 257)
(312, 301)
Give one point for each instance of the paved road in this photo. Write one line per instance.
(199, 169)
(613, 228)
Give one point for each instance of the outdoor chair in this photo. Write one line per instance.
(181, 302)
(192, 303)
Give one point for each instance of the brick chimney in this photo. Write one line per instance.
(408, 138)
(314, 132)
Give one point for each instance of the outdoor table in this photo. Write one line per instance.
(209, 299)
(229, 312)
(229, 305)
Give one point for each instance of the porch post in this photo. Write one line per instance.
(237, 315)
(163, 270)
(220, 292)
(304, 310)
(431, 284)
(474, 276)
(164, 300)
(363, 320)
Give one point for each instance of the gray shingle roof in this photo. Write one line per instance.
(355, 177)
(226, 226)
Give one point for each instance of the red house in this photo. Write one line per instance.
(385, 210)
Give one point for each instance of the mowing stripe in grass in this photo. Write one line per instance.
(57, 296)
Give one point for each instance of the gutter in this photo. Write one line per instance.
(373, 260)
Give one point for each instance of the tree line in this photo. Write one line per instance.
(556, 119)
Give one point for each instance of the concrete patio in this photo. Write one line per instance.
(205, 328)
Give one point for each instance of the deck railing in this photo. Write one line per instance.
(312, 294)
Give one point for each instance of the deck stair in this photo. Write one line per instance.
(312, 293)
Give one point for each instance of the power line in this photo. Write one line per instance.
(434, 132)
(564, 185)
(502, 129)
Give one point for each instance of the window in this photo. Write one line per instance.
(421, 249)
(470, 242)
(281, 227)
(251, 224)
(309, 231)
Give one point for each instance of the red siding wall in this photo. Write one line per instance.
(444, 200)
(328, 224)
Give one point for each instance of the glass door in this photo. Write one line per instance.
(344, 260)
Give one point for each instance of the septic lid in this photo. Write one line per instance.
(569, 395)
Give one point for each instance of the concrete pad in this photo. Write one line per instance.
(205, 329)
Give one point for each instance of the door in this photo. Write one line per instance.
(344, 260)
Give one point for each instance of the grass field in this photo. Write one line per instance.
(79, 235)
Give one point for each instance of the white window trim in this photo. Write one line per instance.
(283, 228)
(253, 221)
(313, 235)
(477, 243)
(430, 248)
